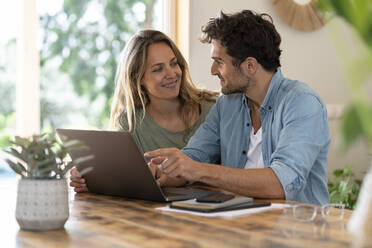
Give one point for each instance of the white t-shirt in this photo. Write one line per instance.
(254, 154)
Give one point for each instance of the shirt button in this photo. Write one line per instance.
(247, 124)
(244, 152)
(270, 108)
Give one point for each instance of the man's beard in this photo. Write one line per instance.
(240, 88)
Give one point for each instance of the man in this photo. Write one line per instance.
(270, 133)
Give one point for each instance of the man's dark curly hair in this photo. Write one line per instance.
(246, 34)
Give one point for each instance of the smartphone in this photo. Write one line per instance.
(215, 198)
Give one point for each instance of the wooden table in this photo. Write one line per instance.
(104, 221)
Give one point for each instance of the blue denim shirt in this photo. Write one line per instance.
(295, 137)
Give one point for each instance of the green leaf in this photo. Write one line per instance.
(16, 154)
(78, 148)
(62, 153)
(343, 187)
(347, 170)
(83, 159)
(45, 171)
(338, 173)
(50, 161)
(82, 172)
(350, 126)
(17, 167)
(72, 143)
(19, 141)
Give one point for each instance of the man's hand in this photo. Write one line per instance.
(160, 177)
(175, 164)
(78, 183)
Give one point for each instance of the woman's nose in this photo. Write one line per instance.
(170, 72)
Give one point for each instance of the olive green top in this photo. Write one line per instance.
(150, 136)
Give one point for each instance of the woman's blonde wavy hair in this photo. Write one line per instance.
(129, 95)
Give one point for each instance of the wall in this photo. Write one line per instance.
(308, 57)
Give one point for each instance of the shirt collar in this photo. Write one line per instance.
(271, 92)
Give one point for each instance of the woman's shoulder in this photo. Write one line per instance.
(123, 120)
(207, 105)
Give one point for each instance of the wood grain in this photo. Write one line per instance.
(105, 221)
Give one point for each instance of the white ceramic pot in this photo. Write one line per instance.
(42, 204)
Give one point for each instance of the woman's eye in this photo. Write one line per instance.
(174, 64)
(156, 70)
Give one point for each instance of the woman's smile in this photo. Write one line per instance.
(170, 85)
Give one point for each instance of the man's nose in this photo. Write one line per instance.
(213, 68)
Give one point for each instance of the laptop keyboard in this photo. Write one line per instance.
(175, 191)
(185, 191)
(172, 194)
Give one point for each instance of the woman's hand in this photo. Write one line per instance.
(78, 183)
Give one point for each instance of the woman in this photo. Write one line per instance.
(154, 97)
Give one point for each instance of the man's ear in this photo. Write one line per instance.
(249, 65)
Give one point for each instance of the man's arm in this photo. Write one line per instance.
(302, 147)
(258, 183)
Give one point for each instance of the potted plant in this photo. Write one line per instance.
(357, 120)
(42, 161)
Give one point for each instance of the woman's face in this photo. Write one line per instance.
(163, 75)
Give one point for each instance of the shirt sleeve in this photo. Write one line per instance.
(304, 134)
(204, 145)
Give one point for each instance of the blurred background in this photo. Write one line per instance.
(70, 81)
(79, 43)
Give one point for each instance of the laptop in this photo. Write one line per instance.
(119, 168)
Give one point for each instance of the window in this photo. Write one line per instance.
(80, 46)
(79, 43)
(8, 77)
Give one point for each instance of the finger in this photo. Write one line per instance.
(74, 184)
(155, 170)
(158, 160)
(169, 164)
(162, 180)
(158, 153)
(78, 179)
(77, 185)
(74, 171)
(81, 190)
(171, 170)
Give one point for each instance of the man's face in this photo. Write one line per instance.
(233, 80)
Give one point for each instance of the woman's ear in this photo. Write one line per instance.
(142, 85)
